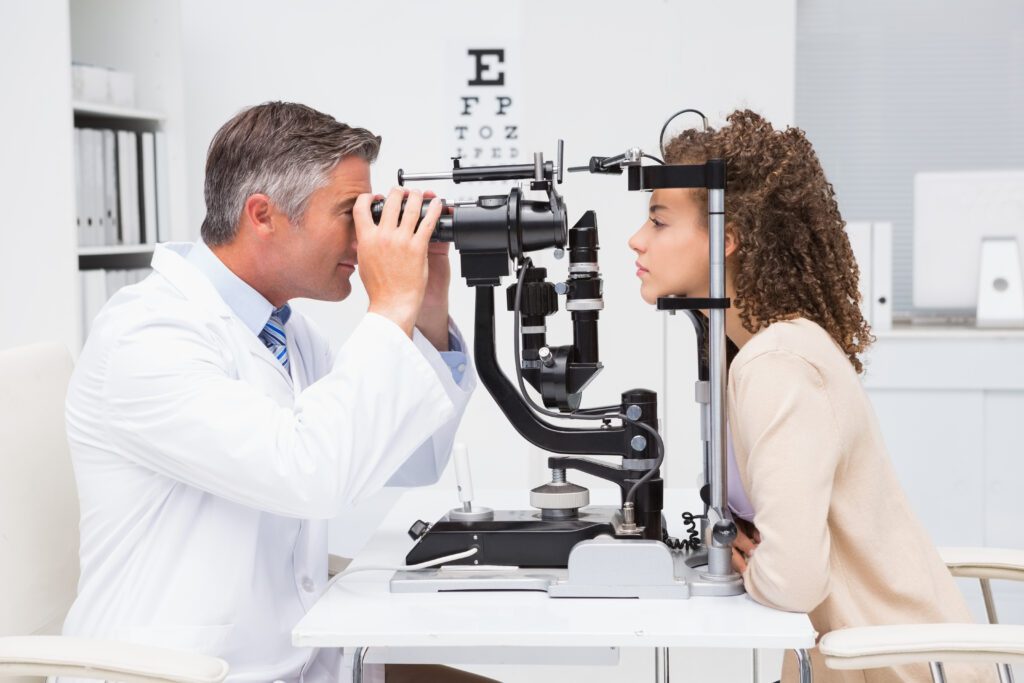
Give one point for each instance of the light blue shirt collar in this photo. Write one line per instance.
(254, 310)
(249, 305)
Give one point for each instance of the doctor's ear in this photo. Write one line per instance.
(258, 211)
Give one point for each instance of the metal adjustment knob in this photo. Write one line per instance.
(564, 497)
(545, 356)
(724, 532)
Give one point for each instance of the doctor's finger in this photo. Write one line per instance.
(392, 207)
(411, 212)
(429, 222)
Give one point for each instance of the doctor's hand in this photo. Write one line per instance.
(393, 255)
(433, 318)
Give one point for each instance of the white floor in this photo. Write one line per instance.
(637, 665)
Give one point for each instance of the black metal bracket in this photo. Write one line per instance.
(550, 437)
(686, 303)
(710, 175)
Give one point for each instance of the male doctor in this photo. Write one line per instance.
(212, 430)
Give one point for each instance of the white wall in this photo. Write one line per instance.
(602, 75)
(38, 259)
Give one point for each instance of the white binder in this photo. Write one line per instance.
(110, 208)
(128, 186)
(149, 224)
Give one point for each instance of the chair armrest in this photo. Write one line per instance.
(105, 659)
(870, 647)
(337, 564)
(985, 563)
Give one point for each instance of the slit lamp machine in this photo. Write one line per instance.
(564, 545)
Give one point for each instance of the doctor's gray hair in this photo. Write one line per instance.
(281, 149)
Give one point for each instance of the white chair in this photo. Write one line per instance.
(881, 646)
(39, 541)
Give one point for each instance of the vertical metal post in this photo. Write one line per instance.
(755, 676)
(663, 419)
(661, 674)
(719, 558)
(1005, 672)
(990, 605)
(358, 655)
(804, 661)
(938, 672)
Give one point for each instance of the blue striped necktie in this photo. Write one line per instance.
(273, 334)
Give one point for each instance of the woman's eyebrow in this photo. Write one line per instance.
(658, 207)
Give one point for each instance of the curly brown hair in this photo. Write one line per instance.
(793, 256)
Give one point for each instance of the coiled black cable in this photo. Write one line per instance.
(693, 542)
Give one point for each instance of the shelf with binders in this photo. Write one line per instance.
(125, 71)
(121, 165)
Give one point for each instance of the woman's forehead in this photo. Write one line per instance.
(675, 200)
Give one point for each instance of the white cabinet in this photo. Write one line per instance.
(951, 406)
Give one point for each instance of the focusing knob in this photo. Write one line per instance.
(705, 494)
(538, 299)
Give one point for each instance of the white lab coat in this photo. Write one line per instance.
(207, 474)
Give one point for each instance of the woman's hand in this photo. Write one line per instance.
(747, 540)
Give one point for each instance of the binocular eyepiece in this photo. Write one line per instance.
(445, 230)
(496, 223)
(495, 229)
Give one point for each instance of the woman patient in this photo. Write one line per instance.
(828, 530)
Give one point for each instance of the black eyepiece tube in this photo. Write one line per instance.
(585, 297)
(444, 232)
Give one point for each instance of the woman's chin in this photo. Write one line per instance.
(647, 295)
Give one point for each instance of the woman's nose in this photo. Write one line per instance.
(636, 242)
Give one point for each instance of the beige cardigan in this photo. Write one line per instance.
(838, 538)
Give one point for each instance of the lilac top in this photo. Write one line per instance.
(739, 503)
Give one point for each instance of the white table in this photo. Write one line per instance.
(358, 611)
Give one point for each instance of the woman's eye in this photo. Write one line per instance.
(656, 223)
